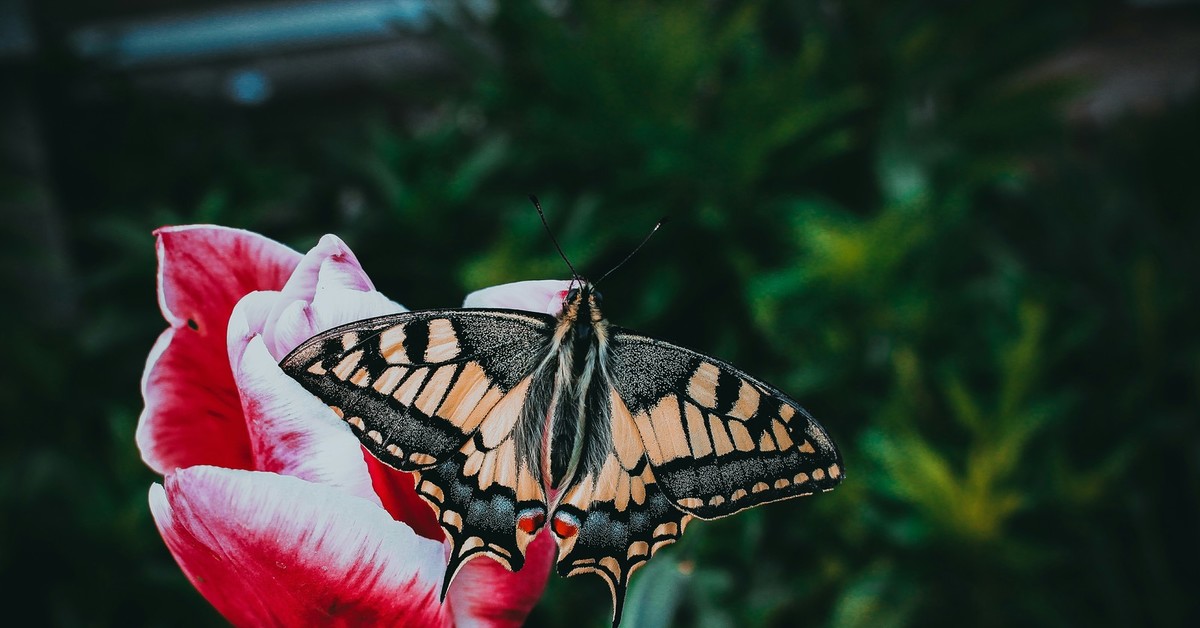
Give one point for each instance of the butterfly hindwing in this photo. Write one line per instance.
(450, 394)
(613, 516)
(718, 440)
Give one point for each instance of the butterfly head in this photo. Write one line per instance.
(582, 304)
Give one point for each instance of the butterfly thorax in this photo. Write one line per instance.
(581, 339)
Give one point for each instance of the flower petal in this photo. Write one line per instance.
(291, 431)
(398, 492)
(192, 415)
(268, 549)
(329, 288)
(484, 593)
(203, 270)
(544, 295)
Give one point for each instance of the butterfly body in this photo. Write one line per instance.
(516, 421)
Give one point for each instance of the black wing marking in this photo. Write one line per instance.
(719, 441)
(455, 395)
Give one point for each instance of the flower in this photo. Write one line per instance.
(269, 504)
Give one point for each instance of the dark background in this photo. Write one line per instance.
(963, 234)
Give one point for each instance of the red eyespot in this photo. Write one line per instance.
(531, 522)
(565, 526)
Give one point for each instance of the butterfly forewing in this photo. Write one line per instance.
(718, 440)
(454, 395)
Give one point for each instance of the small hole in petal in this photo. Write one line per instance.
(193, 324)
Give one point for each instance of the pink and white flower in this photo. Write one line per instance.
(269, 504)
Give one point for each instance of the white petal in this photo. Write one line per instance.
(545, 296)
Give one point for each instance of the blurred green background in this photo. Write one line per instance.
(963, 234)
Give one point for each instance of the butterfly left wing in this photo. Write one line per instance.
(718, 440)
(452, 395)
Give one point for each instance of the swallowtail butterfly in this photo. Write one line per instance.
(514, 421)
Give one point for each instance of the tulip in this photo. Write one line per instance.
(270, 505)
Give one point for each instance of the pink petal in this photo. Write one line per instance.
(397, 490)
(330, 263)
(545, 296)
(484, 593)
(203, 270)
(291, 431)
(329, 288)
(268, 549)
(192, 415)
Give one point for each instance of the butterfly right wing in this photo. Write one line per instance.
(455, 395)
(718, 440)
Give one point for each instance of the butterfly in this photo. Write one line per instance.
(516, 421)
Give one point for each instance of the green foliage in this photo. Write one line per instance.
(991, 312)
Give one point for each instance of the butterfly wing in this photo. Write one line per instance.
(613, 516)
(718, 440)
(456, 396)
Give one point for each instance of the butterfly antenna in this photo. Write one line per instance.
(542, 215)
(661, 221)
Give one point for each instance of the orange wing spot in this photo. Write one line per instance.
(408, 390)
(781, 436)
(637, 490)
(443, 342)
(316, 368)
(653, 449)
(504, 415)
(626, 442)
(474, 462)
(452, 519)
(421, 459)
(391, 345)
(527, 487)
(738, 494)
(759, 487)
(432, 490)
(375, 436)
(464, 397)
(741, 436)
(388, 380)
(431, 395)
(747, 403)
(835, 471)
(765, 443)
(347, 365)
(716, 500)
(697, 432)
(349, 340)
(702, 387)
(360, 378)
(800, 478)
(669, 528)
(487, 472)
(786, 412)
(782, 483)
(818, 474)
(807, 448)
(720, 436)
(564, 526)
(667, 424)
